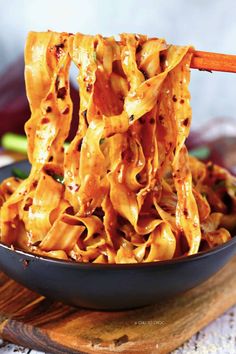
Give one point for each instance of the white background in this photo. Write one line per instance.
(208, 25)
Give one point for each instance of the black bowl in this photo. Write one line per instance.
(110, 286)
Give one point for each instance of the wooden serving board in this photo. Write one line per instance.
(33, 321)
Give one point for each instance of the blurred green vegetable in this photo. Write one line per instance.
(17, 143)
(14, 142)
(16, 172)
(201, 153)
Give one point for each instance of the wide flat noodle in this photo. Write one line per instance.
(125, 190)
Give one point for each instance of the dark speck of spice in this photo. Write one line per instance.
(80, 145)
(28, 204)
(35, 183)
(89, 87)
(26, 207)
(9, 192)
(121, 340)
(138, 177)
(49, 109)
(152, 121)
(131, 118)
(25, 263)
(45, 120)
(58, 46)
(161, 118)
(70, 211)
(66, 110)
(95, 341)
(210, 167)
(162, 58)
(84, 114)
(205, 70)
(182, 101)
(174, 98)
(185, 122)
(36, 244)
(139, 47)
(59, 50)
(61, 93)
(95, 44)
(50, 95)
(57, 82)
(144, 74)
(141, 120)
(99, 213)
(185, 212)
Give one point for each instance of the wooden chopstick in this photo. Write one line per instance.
(213, 61)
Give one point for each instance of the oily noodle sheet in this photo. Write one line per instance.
(130, 192)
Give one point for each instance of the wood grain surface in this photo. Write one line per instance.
(35, 322)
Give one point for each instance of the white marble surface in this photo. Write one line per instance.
(217, 338)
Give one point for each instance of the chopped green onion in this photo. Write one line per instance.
(58, 178)
(101, 141)
(16, 172)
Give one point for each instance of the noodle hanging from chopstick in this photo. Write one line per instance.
(125, 190)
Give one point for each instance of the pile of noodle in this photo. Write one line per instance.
(125, 190)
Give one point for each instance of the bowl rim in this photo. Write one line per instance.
(71, 263)
(27, 255)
